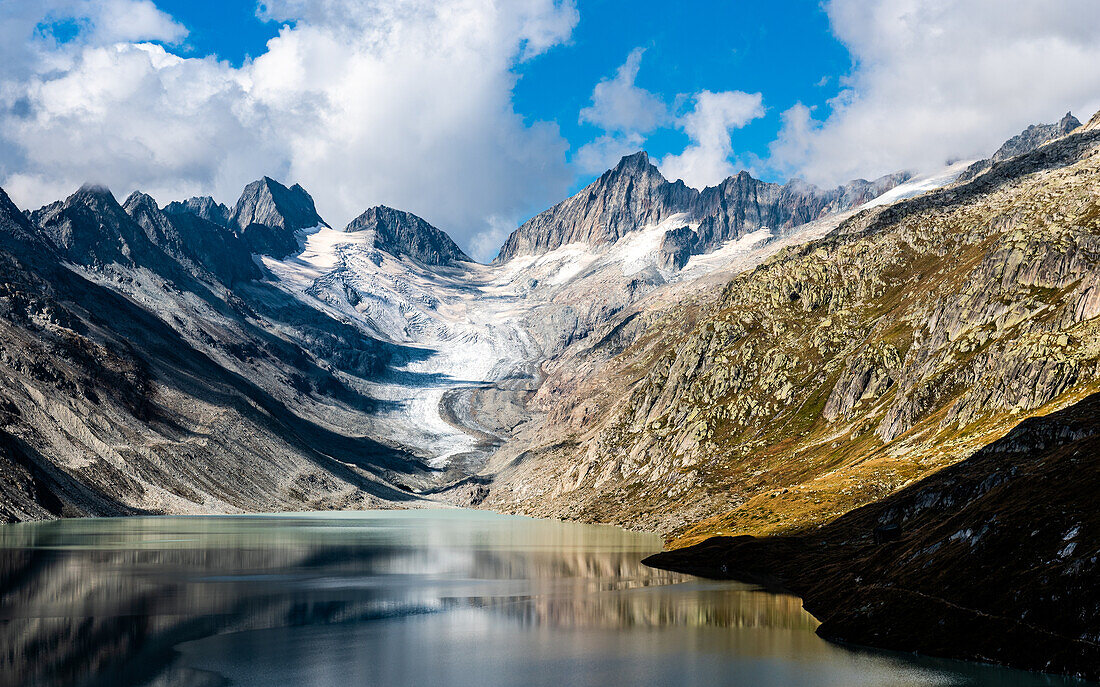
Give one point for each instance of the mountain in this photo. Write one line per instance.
(203, 207)
(877, 376)
(623, 199)
(634, 195)
(1027, 140)
(992, 552)
(268, 214)
(771, 360)
(833, 373)
(90, 228)
(107, 409)
(403, 233)
(193, 241)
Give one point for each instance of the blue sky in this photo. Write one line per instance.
(735, 45)
(476, 114)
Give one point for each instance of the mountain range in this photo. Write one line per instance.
(768, 374)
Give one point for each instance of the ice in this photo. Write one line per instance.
(921, 184)
(465, 326)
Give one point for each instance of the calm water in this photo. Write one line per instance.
(401, 598)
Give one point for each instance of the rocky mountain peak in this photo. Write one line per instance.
(139, 202)
(18, 237)
(404, 234)
(634, 195)
(639, 162)
(158, 228)
(1068, 123)
(91, 228)
(201, 206)
(199, 246)
(631, 195)
(1029, 139)
(268, 213)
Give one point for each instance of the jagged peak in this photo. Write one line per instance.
(1068, 123)
(140, 199)
(399, 232)
(91, 190)
(635, 163)
(634, 159)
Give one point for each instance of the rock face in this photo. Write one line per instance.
(1018, 512)
(90, 228)
(404, 234)
(623, 199)
(634, 195)
(1026, 141)
(193, 241)
(268, 213)
(675, 249)
(203, 207)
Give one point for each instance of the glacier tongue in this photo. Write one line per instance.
(458, 327)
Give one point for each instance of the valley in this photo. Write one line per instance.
(776, 365)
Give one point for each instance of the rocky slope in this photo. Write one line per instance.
(196, 243)
(634, 195)
(403, 361)
(1019, 513)
(131, 383)
(1026, 141)
(835, 373)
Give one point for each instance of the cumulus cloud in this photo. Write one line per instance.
(707, 159)
(402, 102)
(941, 79)
(625, 112)
(618, 105)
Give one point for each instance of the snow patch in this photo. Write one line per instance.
(921, 184)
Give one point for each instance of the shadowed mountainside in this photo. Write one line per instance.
(993, 559)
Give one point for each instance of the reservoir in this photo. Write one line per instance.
(393, 598)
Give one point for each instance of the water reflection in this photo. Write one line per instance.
(420, 597)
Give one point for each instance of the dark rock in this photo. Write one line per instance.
(992, 559)
(90, 228)
(404, 234)
(268, 214)
(194, 241)
(887, 533)
(203, 207)
(676, 248)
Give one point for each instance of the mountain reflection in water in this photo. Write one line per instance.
(444, 597)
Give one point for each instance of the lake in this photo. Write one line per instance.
(421, 597)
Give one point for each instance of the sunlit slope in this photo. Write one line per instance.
(841, 370)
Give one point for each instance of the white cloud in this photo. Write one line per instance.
(942, 79)
(625, 112)
(618, 105)
(706, 160)
(402, 102)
